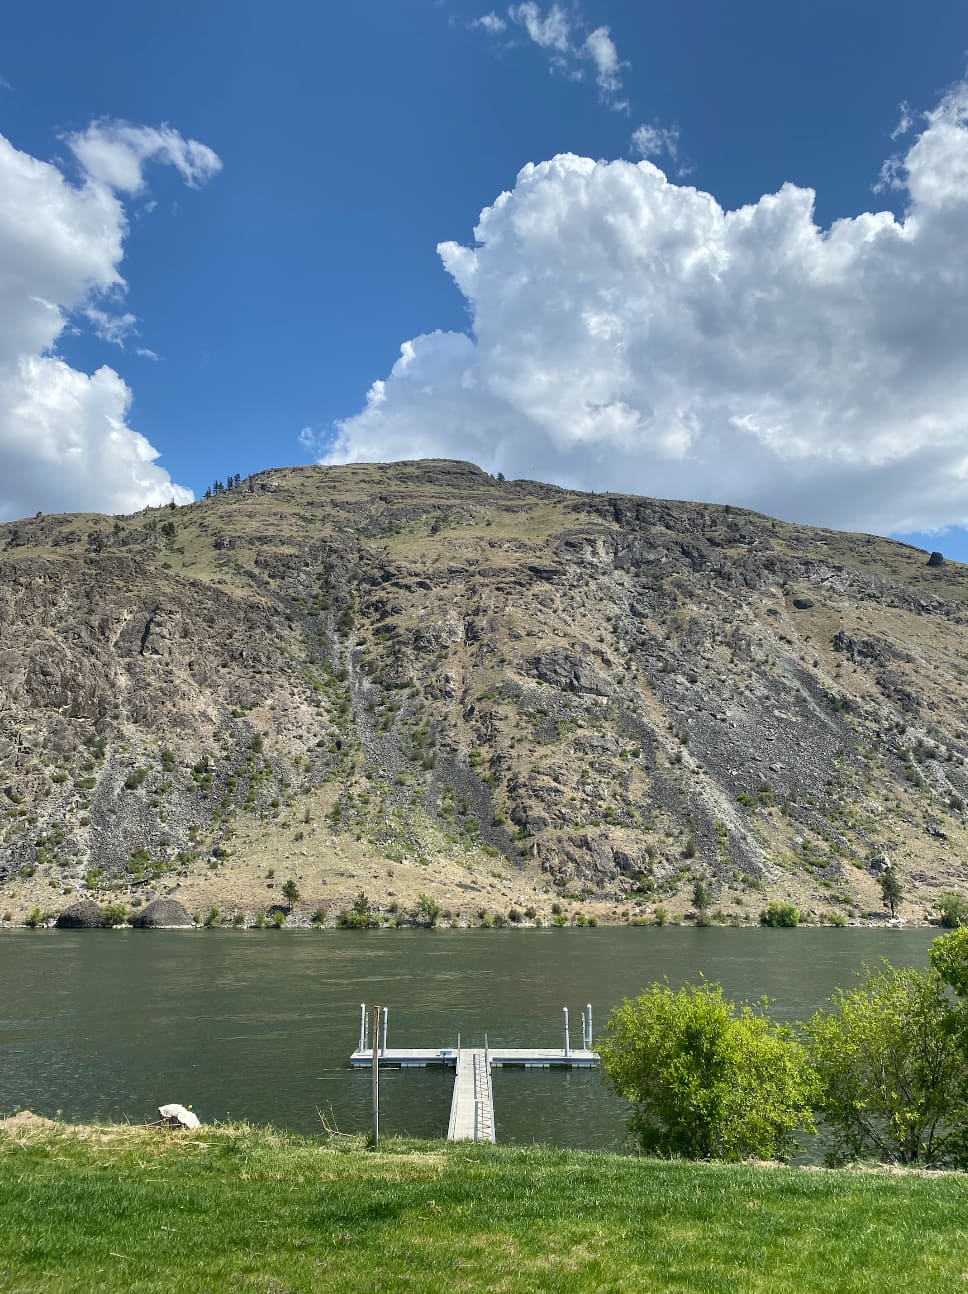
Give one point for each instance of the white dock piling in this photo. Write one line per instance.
(383, 1040)
(588, 1021)
(376, 1075)
(564, 1011)
(362, 1026)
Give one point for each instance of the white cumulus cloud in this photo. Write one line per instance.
(629, 333)
(114, 153)
(64, 439)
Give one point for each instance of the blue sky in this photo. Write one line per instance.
(273, 290)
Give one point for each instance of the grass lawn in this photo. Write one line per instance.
(243, 1209)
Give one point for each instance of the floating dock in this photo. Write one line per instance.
(503, 1057)
(472, 1104)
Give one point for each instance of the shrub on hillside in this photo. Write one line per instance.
(780, 914)
(426, 910)
(953, 910)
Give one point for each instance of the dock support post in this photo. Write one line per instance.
(376, 1075)
(383, 1040)
(564, 1010)
(588, 1017)
(362, 1026)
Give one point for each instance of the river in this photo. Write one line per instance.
(259, 1025)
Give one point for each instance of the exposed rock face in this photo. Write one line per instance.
(162, 914)
(84, 915)
(616, 694)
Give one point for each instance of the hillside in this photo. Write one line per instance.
(416, 678)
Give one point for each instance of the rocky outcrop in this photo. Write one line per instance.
(84, 915)
(162, 914)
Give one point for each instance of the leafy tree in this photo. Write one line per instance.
(894, 1078)
(290, 892)
(426, 911)
(949, 957)
(701, 898)
(708, 1080)
(954, 910)
(361, 917)
(891, 889)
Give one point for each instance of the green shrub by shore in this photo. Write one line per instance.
(244, 1209)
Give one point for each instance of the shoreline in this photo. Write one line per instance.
(27, 1125)
(309, 927)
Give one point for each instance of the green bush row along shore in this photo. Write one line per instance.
(132, 1210)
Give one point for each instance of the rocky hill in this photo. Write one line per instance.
(415, 678)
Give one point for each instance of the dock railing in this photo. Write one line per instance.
(452, 1122)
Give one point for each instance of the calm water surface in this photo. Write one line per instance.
(260, 1024)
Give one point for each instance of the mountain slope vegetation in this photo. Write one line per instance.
(416, 678)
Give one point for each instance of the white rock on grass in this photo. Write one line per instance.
(177, 1116)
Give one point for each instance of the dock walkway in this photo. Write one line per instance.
(472, 1106)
